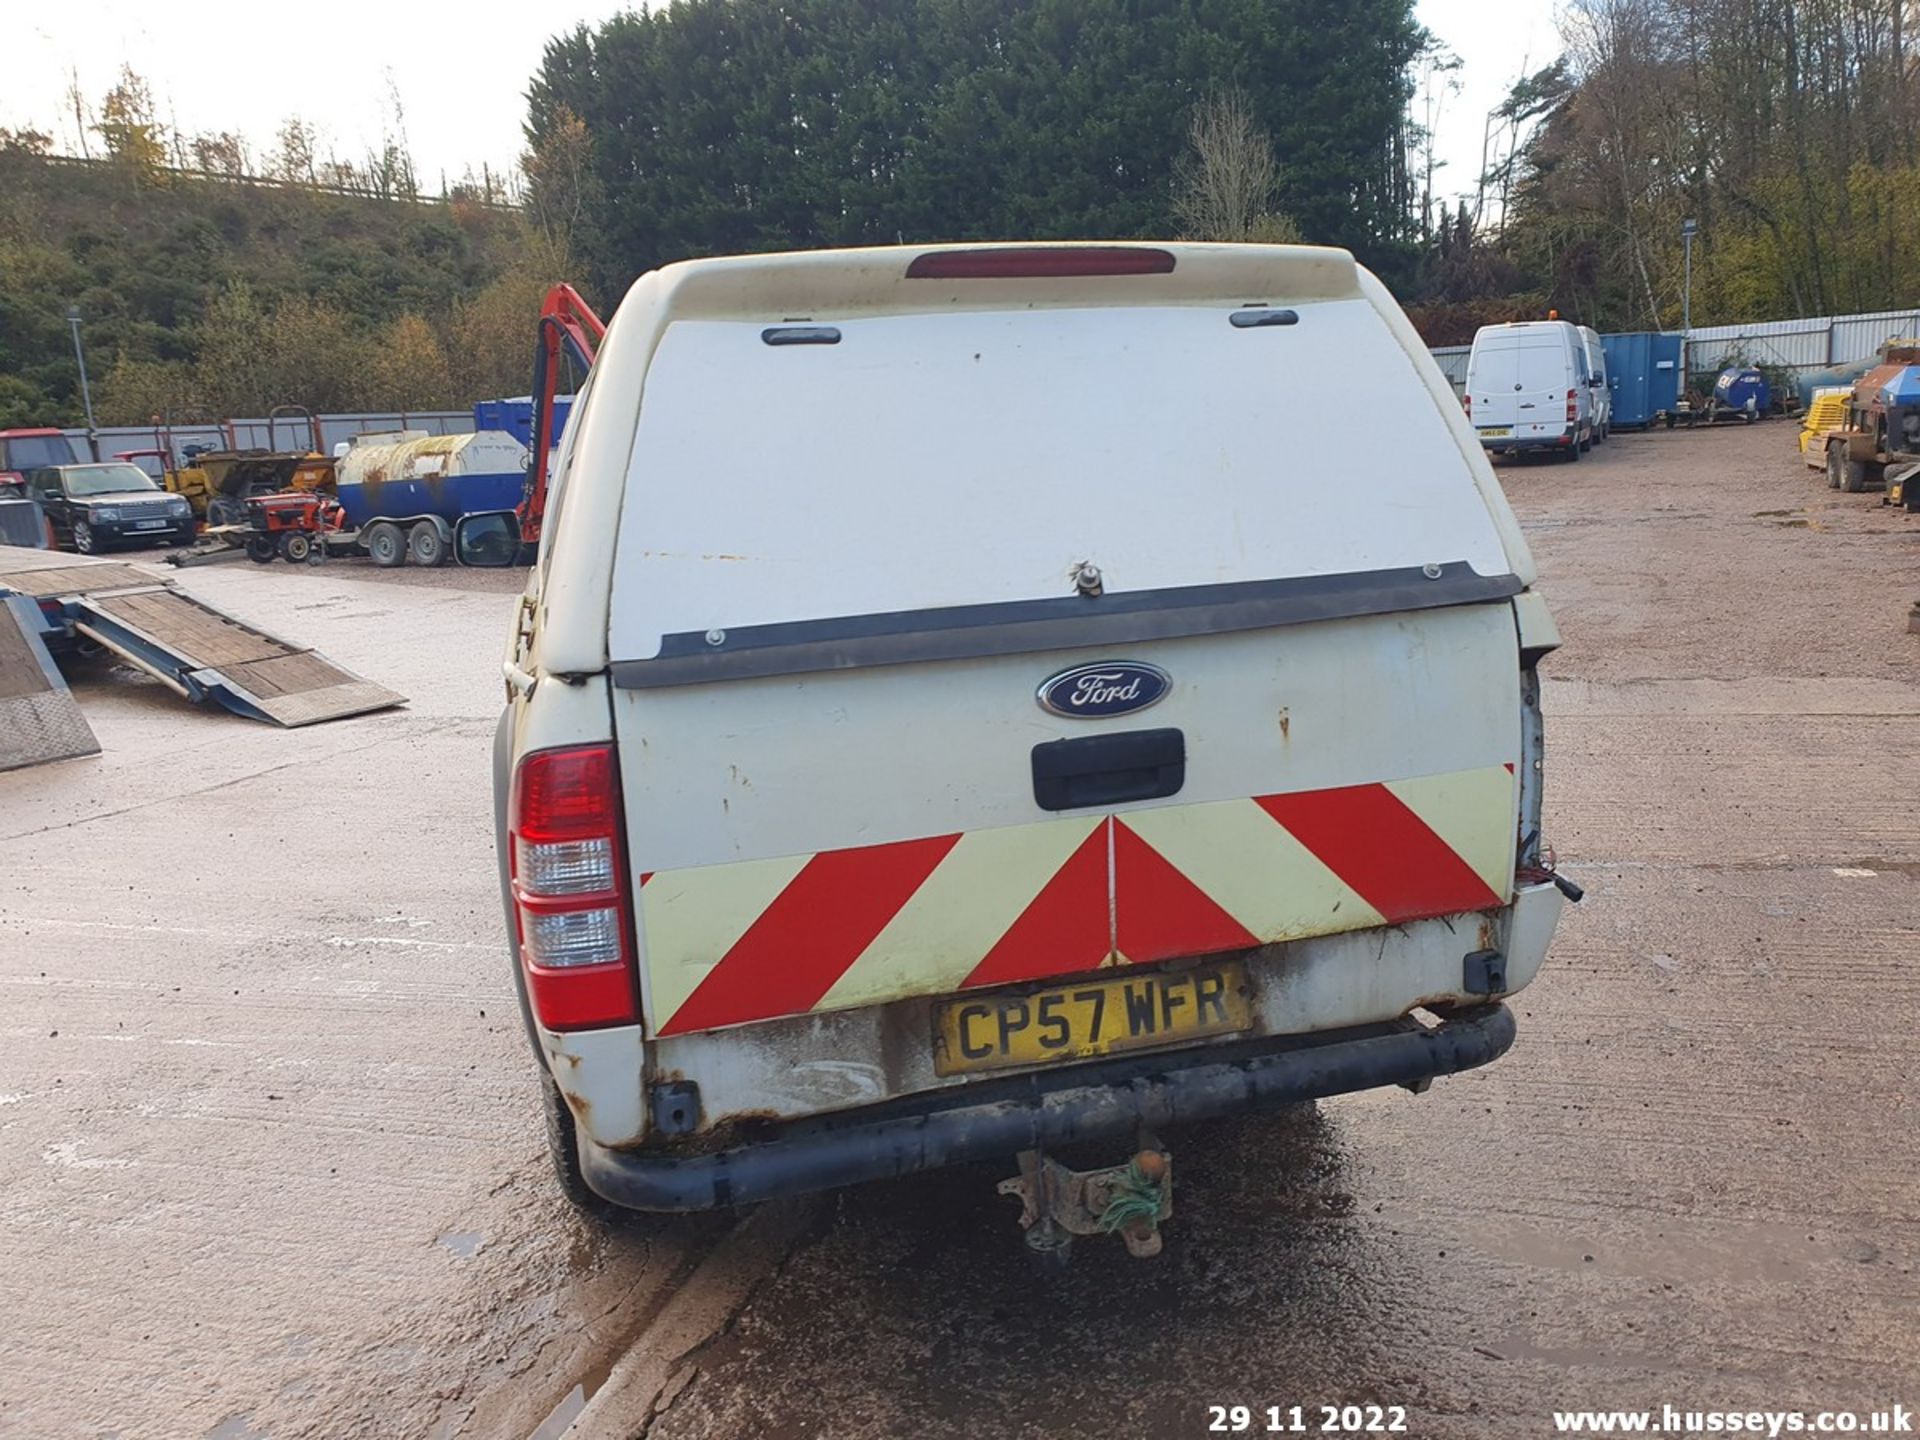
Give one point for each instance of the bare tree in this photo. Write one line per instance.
(295, 152)
(1226, 182)
(222, 152)
(77, 102)
(560, 181)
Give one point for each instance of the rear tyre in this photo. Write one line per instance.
(1573, 453)
(295, 548)
(261, 549)
(386, 544)
(426, 546)
(1834, 464)
(563, 1144)
(222, 511)
(1853, 476)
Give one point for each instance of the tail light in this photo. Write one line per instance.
(1466, 398)
(1573, 410)
(570, 889)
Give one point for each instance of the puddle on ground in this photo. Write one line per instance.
(464, 1243)
(563, 1416)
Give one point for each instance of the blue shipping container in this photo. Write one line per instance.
(516, 416)
(1643, 371)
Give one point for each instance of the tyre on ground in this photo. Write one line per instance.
(261, 549)
(295, 547)
(426, 545)
(386, 544)
(563, 1144)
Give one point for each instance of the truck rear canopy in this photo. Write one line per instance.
(929, 461)
(845, 561)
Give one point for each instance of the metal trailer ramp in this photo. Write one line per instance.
(196, 650)
(39, 719)
(206, 655)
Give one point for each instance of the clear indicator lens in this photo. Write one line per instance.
(572, 937)
(565, 867)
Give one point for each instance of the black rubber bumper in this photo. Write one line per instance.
(999, 1118)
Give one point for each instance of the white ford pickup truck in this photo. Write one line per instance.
(959, 710)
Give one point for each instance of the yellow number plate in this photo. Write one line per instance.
(1094, 1017)
(1495, 432)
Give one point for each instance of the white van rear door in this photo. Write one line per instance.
(1519, 381)
(844, 568)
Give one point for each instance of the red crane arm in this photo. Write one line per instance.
(567, 325)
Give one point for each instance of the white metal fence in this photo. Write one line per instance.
(1801, 346)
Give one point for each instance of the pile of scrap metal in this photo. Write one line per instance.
(53, 606)
(220, 482)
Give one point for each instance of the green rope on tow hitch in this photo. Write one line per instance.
(1134, 1197)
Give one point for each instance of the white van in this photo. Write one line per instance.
(949, 718)
(1599, 386)
(1528, 388)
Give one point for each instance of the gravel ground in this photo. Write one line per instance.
(1691, 1182)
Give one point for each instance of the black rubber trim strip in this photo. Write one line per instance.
(1260, 316)
(1095, 1102)
(1062, 623)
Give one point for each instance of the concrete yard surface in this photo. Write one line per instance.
(270, 1144)
(272, 1150)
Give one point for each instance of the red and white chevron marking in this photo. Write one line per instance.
(728, 944)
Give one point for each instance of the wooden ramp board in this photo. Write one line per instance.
(39, 720)
(205, 654)
(51, 582)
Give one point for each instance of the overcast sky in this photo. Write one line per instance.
(461, 73)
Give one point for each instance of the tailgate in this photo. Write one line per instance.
(844, 572)
(846, 838)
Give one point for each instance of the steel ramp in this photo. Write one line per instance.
(207, 656)
(39, 719)
(196, 650)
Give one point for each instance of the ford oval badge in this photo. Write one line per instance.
(1100, 692)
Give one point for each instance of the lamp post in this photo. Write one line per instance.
(86, 394)
(1688, 229)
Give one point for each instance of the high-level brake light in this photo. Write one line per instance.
(1036, 261)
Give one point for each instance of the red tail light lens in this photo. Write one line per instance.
(1573, 410)
(570, 889)
(1034, 261)
(1467, 400)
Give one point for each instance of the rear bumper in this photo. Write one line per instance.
(1091, 1102)
(1508, 443)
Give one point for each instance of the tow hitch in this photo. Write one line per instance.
(1131, 1199)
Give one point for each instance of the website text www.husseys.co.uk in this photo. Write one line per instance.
(1679, 1420)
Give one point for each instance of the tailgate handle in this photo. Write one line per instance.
(1109, 769)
